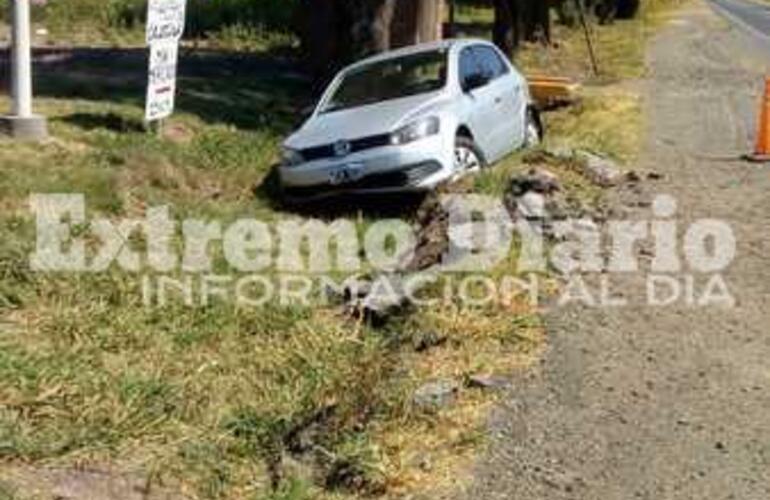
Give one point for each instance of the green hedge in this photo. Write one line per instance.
(203, 15)
(211, 15)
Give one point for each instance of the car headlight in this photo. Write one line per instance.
(291, 157)
(419, 129)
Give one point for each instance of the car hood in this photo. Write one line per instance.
(364, 121)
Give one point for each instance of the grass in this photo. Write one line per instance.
(205, 399)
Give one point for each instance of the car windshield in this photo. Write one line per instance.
(390, 79)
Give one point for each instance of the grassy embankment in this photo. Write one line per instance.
(609, 117)
(202, 399)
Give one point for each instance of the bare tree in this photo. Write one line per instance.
(521, 20)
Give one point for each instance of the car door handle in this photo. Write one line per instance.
(499, 99)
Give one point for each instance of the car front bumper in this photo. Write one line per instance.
(419, 166)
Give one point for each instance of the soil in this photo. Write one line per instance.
(643, 402)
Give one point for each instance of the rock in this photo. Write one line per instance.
(601, 170)
(357, 288)
(531, 206)
(346, 475)
(488, 382)
(561, 152)
(538, 180)
(424, 341)
(633, 176)
(350, 290)
(436, 395)
(388, 295)
(529, 195)
(654, 176)
(386, 298)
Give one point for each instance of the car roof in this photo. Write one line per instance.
(447, 44)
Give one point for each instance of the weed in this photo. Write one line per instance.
(293, 489)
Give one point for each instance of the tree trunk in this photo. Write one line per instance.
(507, 29)
(517, 20)
(381, 25)
(325, 37)
(336, 32)
(628, 9)
(417, 21)
(537, 20)
(429, 20)
(404, 25)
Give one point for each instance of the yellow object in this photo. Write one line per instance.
(552, 90)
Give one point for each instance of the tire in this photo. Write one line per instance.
(467, 155)
(533, 129)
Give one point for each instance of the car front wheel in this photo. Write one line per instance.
(467, 156)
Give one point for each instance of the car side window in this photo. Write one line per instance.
(492, 65)
(468, 64)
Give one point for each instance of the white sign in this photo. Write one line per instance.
(161, 85)
(165, 20)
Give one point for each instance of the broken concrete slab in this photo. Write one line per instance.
(601, 170)
(537, 180)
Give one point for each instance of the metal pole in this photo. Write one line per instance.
(587, 32)
(21, 60)
(21, 123)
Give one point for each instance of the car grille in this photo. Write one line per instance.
(356, 145)
(407, 177)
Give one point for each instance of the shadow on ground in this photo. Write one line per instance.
(376, 206)
(109, 121)
(249, 91)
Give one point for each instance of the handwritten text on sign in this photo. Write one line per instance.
(161, 87)
(165, 20)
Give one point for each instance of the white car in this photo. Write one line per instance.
(410, 119)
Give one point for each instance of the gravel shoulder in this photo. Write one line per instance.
(642, 402)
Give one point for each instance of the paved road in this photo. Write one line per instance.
(751, 15)
(671, 403)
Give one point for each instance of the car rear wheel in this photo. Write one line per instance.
(467, 156)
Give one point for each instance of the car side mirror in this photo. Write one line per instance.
(475, 81)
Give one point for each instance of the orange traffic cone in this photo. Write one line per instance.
(762, 148)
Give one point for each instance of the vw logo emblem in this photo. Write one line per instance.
(342, 148)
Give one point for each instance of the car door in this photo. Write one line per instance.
(507, 91)
(479, 106)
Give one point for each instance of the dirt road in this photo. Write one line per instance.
(644, 402)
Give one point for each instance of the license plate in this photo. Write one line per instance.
(345, 174)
